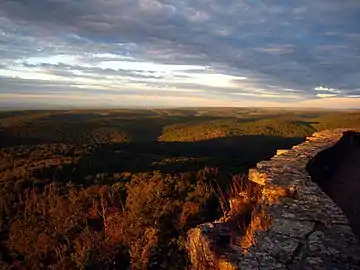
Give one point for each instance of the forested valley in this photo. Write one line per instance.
(120, 188)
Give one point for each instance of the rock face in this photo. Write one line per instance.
(294, 225)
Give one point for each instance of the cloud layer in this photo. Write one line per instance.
(205, 52)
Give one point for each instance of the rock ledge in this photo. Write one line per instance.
(307, 229)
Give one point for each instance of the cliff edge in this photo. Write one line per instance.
(294, 224)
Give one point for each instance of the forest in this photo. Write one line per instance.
(119, 189)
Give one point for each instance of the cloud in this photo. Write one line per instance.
(325, 95)
(332, 103)
(221, 49)
(278, 49)
(326, 89)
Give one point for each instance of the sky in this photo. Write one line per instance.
(176, 53)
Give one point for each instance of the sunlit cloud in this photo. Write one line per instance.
(234, 54)
(326, 89)
(325, 95)
(51, 60)
(145, 66)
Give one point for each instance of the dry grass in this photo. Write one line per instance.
(242, 213)
(260, 221)
(239, 199)
(238, 203)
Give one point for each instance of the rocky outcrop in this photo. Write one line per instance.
(294, 225)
